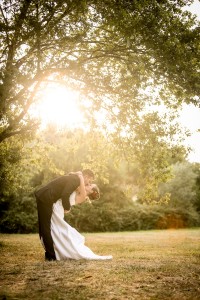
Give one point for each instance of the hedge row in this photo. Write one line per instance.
(102, 217)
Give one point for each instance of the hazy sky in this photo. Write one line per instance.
(190, 116)
(195, 8)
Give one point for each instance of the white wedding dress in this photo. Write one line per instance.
(68, 242)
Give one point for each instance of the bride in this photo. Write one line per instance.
(68, 242)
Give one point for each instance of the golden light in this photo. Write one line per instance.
(60, 106)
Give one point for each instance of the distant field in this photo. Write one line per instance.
(146, 265)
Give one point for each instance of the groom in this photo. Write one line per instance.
(59, 188)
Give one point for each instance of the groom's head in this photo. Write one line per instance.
(88, 176)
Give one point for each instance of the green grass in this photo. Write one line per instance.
(146, 265)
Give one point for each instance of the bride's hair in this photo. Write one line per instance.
(95, 195)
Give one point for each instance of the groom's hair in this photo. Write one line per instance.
(88, 172)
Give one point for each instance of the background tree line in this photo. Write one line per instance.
(127, 58)
(121, 206)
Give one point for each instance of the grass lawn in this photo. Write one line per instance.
(156, 264)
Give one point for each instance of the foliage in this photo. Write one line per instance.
(102, 218)
(115, 212)
(183, 186)
(10, 155)
(123, 57)
(21, 216)
(59, 152)
(20, 165)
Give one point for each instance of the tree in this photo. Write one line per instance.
(123, 55)
(112, 49)
(57, 152)
(183, 185)
(197, 202)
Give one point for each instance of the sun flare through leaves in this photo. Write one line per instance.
(59, 106)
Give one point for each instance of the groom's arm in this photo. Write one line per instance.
(80, 192)
(71, 184)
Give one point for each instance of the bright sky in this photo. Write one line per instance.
(195, 8)
(190, 116)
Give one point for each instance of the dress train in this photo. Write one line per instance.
(68, 242)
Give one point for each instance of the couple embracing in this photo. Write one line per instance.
(60, 240)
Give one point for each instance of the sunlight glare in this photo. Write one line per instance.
(59, 105)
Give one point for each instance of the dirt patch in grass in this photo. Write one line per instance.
(146, 265)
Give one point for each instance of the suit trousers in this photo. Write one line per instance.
(45, 207)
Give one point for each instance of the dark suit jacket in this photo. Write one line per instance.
(59, 188)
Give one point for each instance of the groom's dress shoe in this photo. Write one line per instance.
(49, 257)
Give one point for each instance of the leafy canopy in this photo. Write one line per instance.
(124, 56)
